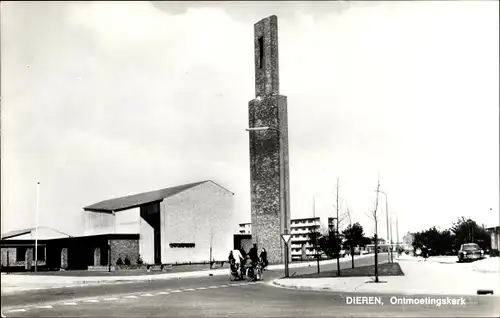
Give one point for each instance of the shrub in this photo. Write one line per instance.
(127, 260)
(119, 261)
(139, 260)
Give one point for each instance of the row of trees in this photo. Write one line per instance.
(331, 243)
(439, 242)
(448, 241)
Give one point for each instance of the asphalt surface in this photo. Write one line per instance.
(216, 296)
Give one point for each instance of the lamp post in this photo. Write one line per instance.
(285, 185)
(397, 232)
(387, 221)
(36, 225)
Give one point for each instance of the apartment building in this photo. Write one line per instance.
(300, 229)
(301, 248)
(245, 228)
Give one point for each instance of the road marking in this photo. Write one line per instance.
(131, 296)
(163, 293)
(114, 298)
(17, 310)
(189, 289)
(91, 301)
(176, 291)
(213, 287)
(3, 316)
(224, 286)
(201, 288)
(69, 304)
(44, 307)
(146, 295)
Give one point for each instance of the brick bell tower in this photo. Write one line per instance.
(269, 171)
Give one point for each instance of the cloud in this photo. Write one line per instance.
(245, 12)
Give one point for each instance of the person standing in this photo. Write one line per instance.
(252, 254)
(419, 254)
(263, 258)
(425, 252)
(236, 258)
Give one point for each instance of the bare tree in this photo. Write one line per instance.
(337, 232)
(314, 235)
(344, 219)
(373, 216)
(353, 236)
(349, 215)
(349, 227)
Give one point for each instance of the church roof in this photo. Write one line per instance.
(136, 200)
(16, 233)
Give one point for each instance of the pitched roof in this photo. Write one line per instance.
(136, 200)
(16, 233)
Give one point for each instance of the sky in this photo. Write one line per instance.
(106, 99)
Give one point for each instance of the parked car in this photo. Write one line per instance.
(470, 252)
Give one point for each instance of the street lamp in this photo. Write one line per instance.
(387, 221)
(285, 195)
(397, 234)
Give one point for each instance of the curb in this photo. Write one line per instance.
(167, 276)
(309, 288)
(86, 283)
(276, 284)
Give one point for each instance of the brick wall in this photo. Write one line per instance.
(97, 256)
(10, 260)
(29, 258)
(269, 178)
(64, 258)
(123, 248)
(269, 175)
(203, 215)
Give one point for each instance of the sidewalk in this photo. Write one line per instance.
(420, 278)
(13, 283)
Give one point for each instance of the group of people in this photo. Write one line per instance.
(238, 259)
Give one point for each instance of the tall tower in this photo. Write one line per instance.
(269, 176)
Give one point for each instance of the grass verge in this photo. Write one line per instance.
(384, 269)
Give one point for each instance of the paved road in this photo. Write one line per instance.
(217, 297)
(61, 294)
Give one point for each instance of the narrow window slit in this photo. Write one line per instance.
(261, 52)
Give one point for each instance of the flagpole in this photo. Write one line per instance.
(36, 225)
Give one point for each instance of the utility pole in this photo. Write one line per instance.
(392, 257)
(337, 232)
(397, 234)
(387, 221)
(211, 241)
(376, 229)
(36, 226)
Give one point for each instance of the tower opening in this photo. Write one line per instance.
(261, 52)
